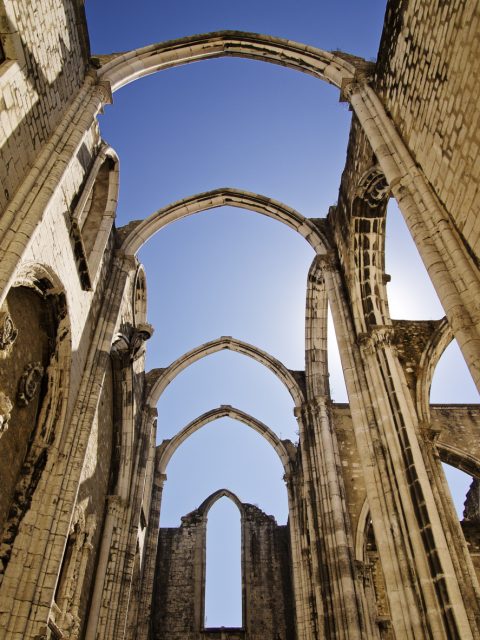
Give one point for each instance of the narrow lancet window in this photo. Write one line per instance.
(223, 574)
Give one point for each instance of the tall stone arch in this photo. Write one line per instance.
(225, 411)
(161, 378)
(121, 69)
(414, 195)
(138, 232)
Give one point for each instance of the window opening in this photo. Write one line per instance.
(226, 377)
(218, 455)
(223, 570)
(411, 295)
(459, 484)
(338, 389)
(452, 382)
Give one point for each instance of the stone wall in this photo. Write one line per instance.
(46, 52)
(180, 574)
(427, 78)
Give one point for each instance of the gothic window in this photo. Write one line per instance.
(223, 571)
(93, 214)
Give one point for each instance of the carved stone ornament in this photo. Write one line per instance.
(327, 261)
(5, 409)
(29, 383)
(128, 345)
(141, 334)
(373, 187)
(8, 331)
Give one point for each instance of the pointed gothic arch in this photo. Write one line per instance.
(122, 68)
(138, 232)
(163, 377)
(224, 411)
(208, 503)
(432, 353)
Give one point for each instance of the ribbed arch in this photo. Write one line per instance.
(123, 68)
(224, 411)
(137, 233)
(163, 377)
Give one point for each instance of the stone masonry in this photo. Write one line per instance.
(373, 548)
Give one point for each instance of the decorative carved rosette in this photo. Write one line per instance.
(373, 187)
(349, 88)
(383, 334)
(365, 343)
(29, 383)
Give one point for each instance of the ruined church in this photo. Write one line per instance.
(373, 548)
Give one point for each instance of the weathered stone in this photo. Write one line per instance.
(373, 547)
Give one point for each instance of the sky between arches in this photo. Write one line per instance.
(232, 123)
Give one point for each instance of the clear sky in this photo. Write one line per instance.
(266, 129)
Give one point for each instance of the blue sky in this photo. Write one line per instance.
(265, 129)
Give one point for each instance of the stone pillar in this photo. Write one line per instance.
(115, 590)
(300, 568)
(115, 511)
(423, 590)
(331, 550)
(150, 558)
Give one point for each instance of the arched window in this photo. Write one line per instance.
(93, 214)
(223, 567)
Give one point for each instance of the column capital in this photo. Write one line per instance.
(327, 261)
(312, 407)
(429, 433)
(115, 505)
(379, 335)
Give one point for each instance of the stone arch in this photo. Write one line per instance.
(459, 458)
(123, 68)
(439, 341)
(362, 523)
(369, 208)
(224, 411)
(208, 503)
(94, 213)
(137, 233)
(203, 511)
(163, 377)
(35, 362)
(373, 583)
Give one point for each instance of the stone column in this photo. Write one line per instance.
(423, 590)
(300, 568)
(116, 590)
(101, 592)
(331, 549)
(147, 592)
